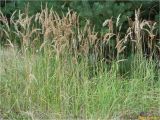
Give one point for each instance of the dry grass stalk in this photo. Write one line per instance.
(65, 35)
(137, 31)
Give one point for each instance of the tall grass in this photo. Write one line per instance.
(60, 70)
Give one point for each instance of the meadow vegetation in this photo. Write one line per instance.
(53, 68)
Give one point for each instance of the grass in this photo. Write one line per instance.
(57, 74)
(40, 87)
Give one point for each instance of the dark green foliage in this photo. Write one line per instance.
(96, 11)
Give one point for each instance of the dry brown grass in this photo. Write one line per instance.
(65, 35)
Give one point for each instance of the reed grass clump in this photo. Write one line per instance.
(54, 68)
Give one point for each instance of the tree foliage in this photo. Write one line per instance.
(96, 11)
